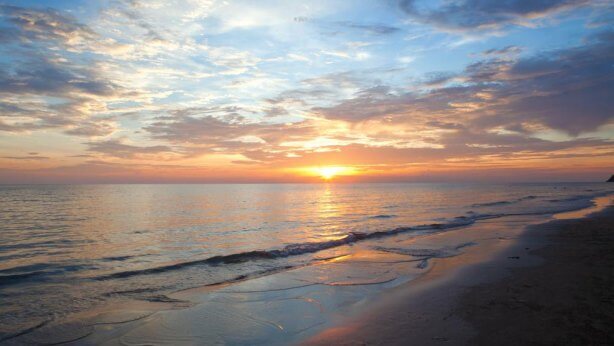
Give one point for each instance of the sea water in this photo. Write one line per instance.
(68, 248)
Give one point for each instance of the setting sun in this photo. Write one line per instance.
(329, 172)
(180, 151)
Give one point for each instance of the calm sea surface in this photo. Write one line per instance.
(66, 248)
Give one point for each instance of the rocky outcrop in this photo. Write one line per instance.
(611, 180)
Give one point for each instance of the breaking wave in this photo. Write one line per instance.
(497, 203)
(578, 202)
(300, 248)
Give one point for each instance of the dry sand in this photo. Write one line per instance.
(555, 286)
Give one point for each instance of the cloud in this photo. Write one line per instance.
(565, 89)
(275, 111)
(438, 78)
(46, 82)
(472, 15)
(374, 29)
(117, 148)
(366, 104)
(227, 84)
(130, 10)
(29, 157)
(46, 24)
(471, 147)
(225, 130)
(40, 76)
(205, 130)
(98, 128)
(71, 115)
(508, 50)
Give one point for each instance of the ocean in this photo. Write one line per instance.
(69, 248)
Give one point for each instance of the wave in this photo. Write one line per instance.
(448, 251)
(295, 249)
(382, 216)
(37, 272)
(117, 258)
(582, 197)
(24, 331)
(12, 279)
(350, 238)
(492, 204)
(570, 199)
(289, 250)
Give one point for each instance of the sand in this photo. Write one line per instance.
(569, 300)
(554, 286)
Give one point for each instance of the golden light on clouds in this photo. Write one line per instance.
(179, 94)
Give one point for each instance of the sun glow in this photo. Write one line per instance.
(329, 172)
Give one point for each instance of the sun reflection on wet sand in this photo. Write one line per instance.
(600, 203)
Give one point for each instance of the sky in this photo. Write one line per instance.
(131, 91)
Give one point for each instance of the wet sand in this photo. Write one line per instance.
(490, 283)
(554, 286)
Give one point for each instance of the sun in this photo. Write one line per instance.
(329, 172)
(326, 173)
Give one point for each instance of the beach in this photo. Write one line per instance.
(509, 278)
(235, 172)
(553, 287)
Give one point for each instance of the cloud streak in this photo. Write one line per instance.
(214, 89)
(469, 15)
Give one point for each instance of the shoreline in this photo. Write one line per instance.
(529, 292)
(353, 282)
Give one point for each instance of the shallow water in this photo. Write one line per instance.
(67, 248)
